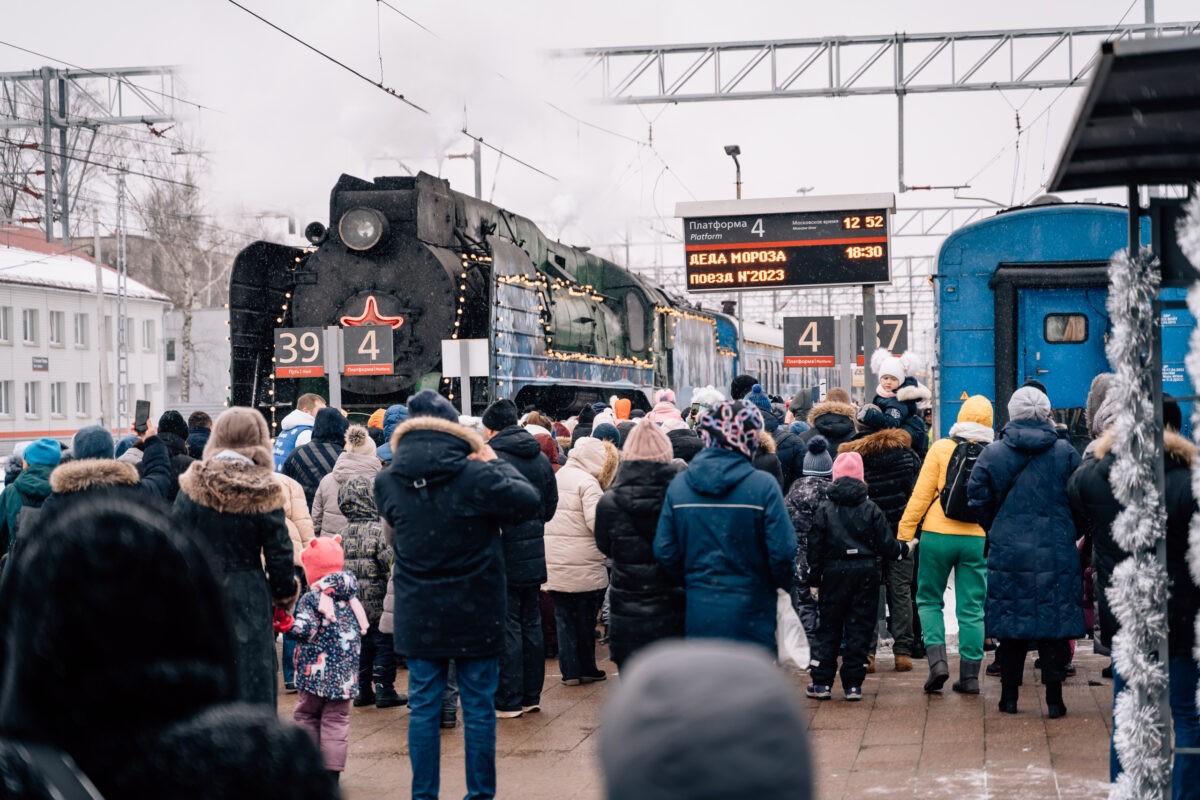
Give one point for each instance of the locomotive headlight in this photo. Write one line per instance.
(361, 228)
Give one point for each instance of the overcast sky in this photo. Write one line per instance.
(286, 122)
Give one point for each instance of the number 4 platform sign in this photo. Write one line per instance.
(808, 342)
(298, 353)
(367, 350)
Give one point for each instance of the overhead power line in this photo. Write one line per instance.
(377, 84)
(93, 162)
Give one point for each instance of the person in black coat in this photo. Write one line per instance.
(647, 603)
(173, 433)
(232, 499)
(832, 419)
(1018, 494)
(1092, 500)
(848, 534)
(311, 462)
(158, 716)
(199, 426)
(890, 468)
(443, 501)
(765, 458)
(685, 444)
(523, 664)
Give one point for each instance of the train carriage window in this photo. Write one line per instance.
(1065, 328)
(636, 314)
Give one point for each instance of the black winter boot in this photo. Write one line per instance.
(1055, 707)
(366, 696)
(388, 697)
(1008, 698)
(968, 677)
(939, 673)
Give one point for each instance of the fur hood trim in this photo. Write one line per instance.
(1175, 447)
(919, 393)
(232, 487)
(92, 473)
(612, 460)
(766, 443)
(437, 424)
(877, 443)
(830, 407)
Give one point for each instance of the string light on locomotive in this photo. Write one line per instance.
(837, 240)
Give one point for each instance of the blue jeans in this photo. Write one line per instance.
(1185, 774)
(477, 680)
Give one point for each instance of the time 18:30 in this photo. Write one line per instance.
(865, 251)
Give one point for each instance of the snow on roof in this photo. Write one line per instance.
(27, 259)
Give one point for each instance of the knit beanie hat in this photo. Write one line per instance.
(891, 366)
(848, 465)
(43, 451)
(802, 401)
(172, 421)
(741, 386)
(621, 407)
(376, 418)
(647, 443)
(124, 443)
(428, 403)
(358, 440)
(242, 430)
(322, 557)
(664, 396)
(500, 415)
(759, 398)
(1029, 403)
(707, 396)
(599, 406)
(586, 415)
(731, 426)
(817, 460)
(606, 432)
(330, 425)
(1101, 384)
(94, 441)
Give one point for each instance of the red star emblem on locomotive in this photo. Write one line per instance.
(371, 316)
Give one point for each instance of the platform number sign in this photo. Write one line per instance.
(891, 333)
(298, 353)
(808, 342)
(367, 350)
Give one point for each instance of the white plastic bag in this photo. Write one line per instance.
(790, 639)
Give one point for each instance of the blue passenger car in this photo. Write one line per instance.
(1022, 295)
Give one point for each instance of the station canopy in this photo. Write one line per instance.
(1139, 122)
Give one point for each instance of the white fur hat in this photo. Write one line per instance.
(884, 363)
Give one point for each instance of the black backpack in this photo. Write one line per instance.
(958, 472)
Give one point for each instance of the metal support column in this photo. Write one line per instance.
(870, 340)
(64, 199)
(47, 158)
(122, 312)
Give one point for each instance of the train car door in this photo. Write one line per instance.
(1060, 342)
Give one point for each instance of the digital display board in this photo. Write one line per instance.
(764, 244)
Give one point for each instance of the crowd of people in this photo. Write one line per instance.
(468, 551)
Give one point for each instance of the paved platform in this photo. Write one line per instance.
(898, 742)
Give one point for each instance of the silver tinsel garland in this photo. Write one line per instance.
(1188, 236)
(1139, 583)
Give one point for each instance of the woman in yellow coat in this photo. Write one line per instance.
(948, 544)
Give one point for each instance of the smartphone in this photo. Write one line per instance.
(141, 416)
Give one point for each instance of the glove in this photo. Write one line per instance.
(816, 592)
(912, 547)
(903, 551)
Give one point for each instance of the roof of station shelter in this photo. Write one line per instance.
(26, 258)
(1139, 122)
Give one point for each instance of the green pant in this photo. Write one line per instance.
(939, 553)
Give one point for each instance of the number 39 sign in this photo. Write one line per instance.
(298, 353)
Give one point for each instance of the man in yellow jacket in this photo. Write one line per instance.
(948, 544)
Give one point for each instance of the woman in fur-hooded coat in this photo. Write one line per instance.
(766, 459)
(230, 499)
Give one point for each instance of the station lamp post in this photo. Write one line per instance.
(733, 151)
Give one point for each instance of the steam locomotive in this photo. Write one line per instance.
(563, 327)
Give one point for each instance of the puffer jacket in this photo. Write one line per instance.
(1018, 493)
(330, 640)
(901, 412)
(802, 501)
(975, 424)
(180, 460)
(1092, 501)
(724, 530)
(573, 563)
(833, 420)
(326, 516)
(524, 548)
(848, 526)
(647, 603)
(295, 515)
(890, 468)
(791, 451)
(367, 554)
(31, 488)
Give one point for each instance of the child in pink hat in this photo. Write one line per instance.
(848, 533)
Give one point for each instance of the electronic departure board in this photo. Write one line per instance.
(777, 249)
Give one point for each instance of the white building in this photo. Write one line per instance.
(52, 342)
